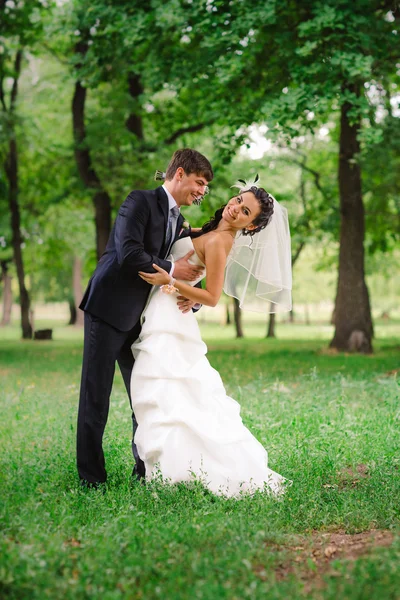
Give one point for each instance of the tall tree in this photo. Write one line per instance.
(100, 196)
(292, 65)
(109, 46)
(20, 29)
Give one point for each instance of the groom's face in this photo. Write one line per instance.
(189, 187)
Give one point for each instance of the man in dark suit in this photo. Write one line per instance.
(146, 226)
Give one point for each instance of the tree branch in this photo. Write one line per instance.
(17, 70)
(182, 130)
(301, 245)
(315, 174)
(2, 98)
(134, 121)
(297, 253)
(54, 53)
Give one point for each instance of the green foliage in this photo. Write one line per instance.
(207, 71)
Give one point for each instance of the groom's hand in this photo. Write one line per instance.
(186, 271)
(184, 304)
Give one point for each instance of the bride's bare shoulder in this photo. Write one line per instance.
(216, 240)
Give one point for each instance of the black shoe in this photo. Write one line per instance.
(93, 485)
(138, 472)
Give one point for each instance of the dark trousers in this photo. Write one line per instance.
(103, 346)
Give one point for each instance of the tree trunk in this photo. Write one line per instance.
(7, 294)
(32, 318)
(11, 169)
(271, 326)
(89, 177)
(72, 312)
(134, 121)
(77, 287)
(227, 315)
(352, 309)
(237, 312)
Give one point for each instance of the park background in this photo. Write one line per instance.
(94, 97)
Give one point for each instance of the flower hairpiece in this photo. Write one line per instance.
(245, 186)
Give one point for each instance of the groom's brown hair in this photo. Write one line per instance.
(191, 161)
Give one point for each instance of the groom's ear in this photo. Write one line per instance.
(179, 173)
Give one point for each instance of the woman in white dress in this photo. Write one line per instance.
(188, 427)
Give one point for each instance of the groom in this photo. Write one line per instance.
(147, 224)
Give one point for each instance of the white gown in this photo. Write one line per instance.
(188, 428)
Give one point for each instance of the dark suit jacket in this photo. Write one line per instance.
(115, 293)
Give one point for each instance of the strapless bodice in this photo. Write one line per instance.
(180, 249)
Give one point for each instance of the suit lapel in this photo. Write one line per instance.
(163, 203)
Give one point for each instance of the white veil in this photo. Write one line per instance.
(259, 267)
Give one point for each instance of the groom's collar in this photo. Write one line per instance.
(171, 199)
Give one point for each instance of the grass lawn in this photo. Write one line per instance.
(330, 422)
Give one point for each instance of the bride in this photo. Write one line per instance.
(188, 427)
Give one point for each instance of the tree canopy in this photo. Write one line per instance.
(96, 95)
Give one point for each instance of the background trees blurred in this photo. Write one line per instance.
(97, 95)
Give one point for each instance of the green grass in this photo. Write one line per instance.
(317, 414)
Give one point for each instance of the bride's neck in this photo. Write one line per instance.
(224, 227)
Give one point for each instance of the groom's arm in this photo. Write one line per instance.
(133, 219)
(185, 305)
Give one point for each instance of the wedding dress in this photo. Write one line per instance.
(188, 427)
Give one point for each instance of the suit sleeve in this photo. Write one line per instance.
(197, 306)
(130, 227)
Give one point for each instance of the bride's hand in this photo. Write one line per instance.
(160, 278)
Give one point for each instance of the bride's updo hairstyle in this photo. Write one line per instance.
(266, 203)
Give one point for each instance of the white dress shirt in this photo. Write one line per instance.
(171, 204)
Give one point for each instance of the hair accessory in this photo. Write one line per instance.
(200, 199)
(159, 176)
(259, 268)
(245, 186)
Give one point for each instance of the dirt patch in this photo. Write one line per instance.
(5, 372)
(359, 471)
(328, 351)
(350, 476)
(392, 373)
(310, 558)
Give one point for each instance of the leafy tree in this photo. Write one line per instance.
(292, 65)
(121, 118)
(20, 30)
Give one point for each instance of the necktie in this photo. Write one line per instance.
(172, 219)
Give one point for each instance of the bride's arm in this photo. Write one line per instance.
(215, 259)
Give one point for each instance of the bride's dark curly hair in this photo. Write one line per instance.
(266, 203)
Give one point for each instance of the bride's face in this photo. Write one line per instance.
(241, 211)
